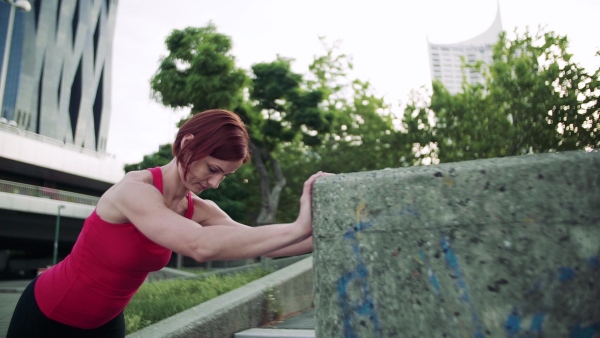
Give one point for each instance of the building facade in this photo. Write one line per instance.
(59, 77)
(446, 60)
(53, 128)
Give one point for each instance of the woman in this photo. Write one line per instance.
(137, 224)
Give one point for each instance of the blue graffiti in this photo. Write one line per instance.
(593, 263)
(430, 274)
(452, 262)
(565, 274)
(584, 332)
(365, 306)
(409, 211)
(513, 325)
(537, 322)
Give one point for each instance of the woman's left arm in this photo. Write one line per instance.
(295, 249)
(217, 216)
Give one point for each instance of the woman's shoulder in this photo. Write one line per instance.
(138, 176)
(131, 180)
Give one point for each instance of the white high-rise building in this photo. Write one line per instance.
(445, 60)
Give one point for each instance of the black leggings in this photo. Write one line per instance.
(29, 321)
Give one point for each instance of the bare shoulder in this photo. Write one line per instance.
(141, 176)
(128, 190)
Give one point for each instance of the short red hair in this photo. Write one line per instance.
(217, 133)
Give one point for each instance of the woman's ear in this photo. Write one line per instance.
(186, 139)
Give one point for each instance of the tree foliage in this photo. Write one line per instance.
(535, 99)
(199, 71)
(163, 156)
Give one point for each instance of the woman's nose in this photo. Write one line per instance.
(214, 181)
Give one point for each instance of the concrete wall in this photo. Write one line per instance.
(242, 308)
(504, 247)
(49, 154)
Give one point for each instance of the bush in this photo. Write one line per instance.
(159, 300)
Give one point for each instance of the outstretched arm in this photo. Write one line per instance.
(217, 241)
(299, 248)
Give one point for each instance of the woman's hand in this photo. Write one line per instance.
(305, 216)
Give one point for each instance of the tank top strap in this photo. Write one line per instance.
(190, 210)
(158, 183)
(157, 178)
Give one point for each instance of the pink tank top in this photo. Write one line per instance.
(107, 265)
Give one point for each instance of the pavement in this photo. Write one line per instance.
(301, 325)
(10, 291)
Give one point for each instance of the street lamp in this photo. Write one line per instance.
(56, 235)
(24, 6)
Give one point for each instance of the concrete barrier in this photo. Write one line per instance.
(280, 293)
(505, 247)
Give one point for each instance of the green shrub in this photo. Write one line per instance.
(159, 300)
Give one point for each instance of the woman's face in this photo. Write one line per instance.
(207, 173)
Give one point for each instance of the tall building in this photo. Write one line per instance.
(59, 74)
(53, 128)
(445, 60)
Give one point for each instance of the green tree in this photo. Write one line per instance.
(289, 111)
(199, 71)
(363, 134)
(163, 156)
(535, 99)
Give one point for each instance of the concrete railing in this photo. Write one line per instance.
(506, 247)
(44, 192)
(48, 140)
(287, 291)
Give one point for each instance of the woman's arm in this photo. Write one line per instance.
(143, 205)
(295, 249)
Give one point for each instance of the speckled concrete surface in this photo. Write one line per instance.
(491, 248)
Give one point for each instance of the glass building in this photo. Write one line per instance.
(14, 66)
(59, 74)
(445, 60)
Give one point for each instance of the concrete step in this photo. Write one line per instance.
(275, 333)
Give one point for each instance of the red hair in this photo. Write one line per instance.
(217, 133)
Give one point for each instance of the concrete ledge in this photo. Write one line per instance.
(506, 247)
(275, 333)
(243, 308)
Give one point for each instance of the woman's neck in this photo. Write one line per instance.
(173, 188)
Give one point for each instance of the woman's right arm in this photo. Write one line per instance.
(143, 206)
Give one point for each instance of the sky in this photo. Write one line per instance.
(387, 40)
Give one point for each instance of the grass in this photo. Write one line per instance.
(159, 300)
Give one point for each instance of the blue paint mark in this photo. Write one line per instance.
(452, 262)
(430, 274)
(513, 323)
(409, 211)
(536, 323)
(594, 263)
(584, 332)
(365, 306)
(566, 274)
(563, 275)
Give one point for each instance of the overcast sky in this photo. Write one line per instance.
(386, 39)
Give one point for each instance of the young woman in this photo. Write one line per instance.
(139, 222)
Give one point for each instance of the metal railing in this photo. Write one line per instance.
(45, 192)
(48, 140)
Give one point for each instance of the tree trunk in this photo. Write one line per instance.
(270, 196)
